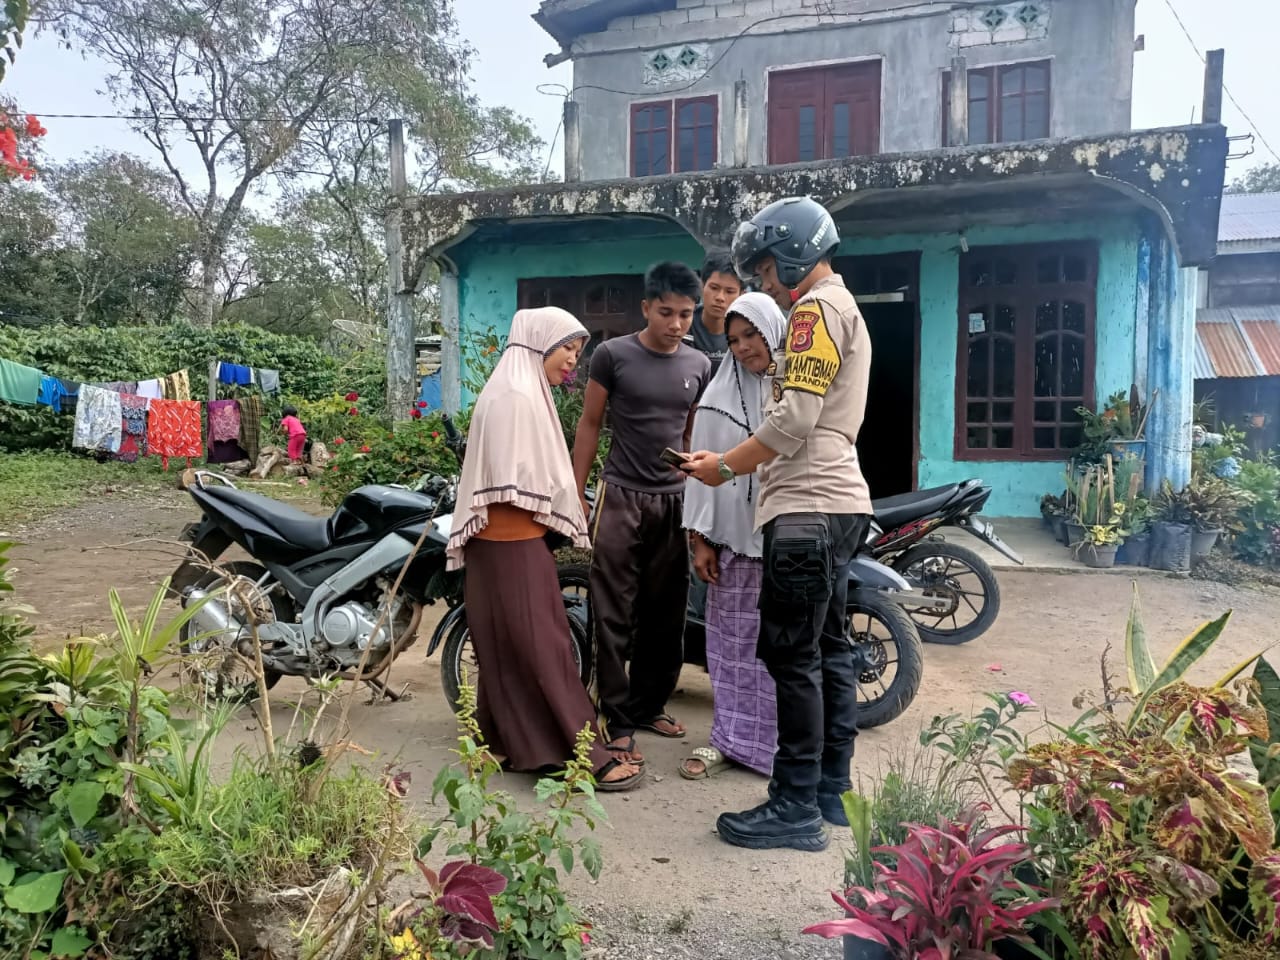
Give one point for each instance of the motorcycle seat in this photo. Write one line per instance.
(893, 512)
(294, 525)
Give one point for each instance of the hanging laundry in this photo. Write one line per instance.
(251, 414)
(53, 392)
(150, 389)
(70, 388)
(268, 380)
(234, 373)
(133, 428)
(98, 420)
(224, 420)
(18, 383)
(176, 386)
(121, 386)
(173, 429)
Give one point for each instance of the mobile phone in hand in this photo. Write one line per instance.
(673, 457)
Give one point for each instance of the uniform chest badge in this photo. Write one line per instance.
(771, 370)
(777, 392)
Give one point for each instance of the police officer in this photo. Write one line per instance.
(815, 507)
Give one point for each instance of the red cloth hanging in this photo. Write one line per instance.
(173, 429)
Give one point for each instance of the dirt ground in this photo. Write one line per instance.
(670, 888)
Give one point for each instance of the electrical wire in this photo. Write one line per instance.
(1236, 103)
(175, 118)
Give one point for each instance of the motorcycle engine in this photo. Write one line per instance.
(349, 627)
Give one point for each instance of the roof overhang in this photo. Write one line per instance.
(566, 20)
(1174, 173)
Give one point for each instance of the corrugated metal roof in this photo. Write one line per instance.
(1237, 342)
(1249, 216)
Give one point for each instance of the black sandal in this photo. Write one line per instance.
(629, 748)
(652, 727)
(617, 786)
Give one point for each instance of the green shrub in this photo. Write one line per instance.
(404, 455)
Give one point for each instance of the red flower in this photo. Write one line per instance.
(435, 435)
(421, 404)
(365, 449)
(334, 467)
(352, 412)
(417, 414)
(352, 396)
(338, 441)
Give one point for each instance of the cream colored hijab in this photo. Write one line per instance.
(516, 452)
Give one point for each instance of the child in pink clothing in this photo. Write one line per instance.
(292, 426)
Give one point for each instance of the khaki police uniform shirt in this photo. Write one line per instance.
(816, 402)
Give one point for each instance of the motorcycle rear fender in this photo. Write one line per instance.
(446, 624)
(867, 574)
(207, 544)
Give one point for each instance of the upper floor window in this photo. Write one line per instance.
(1006, 104)
(660, 146)
(822, 113)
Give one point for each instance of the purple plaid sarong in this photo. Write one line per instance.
(744, 725)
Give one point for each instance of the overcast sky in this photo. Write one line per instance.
(509, 69)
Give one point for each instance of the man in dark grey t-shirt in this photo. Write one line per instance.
(720, 287)
(650, 383)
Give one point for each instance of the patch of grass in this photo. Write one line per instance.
(33, 485)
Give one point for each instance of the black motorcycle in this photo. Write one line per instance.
(960, 587)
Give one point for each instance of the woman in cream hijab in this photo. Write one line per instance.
(516, 496)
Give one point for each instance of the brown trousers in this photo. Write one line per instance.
(639, 593)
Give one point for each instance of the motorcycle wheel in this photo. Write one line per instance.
(965, 585)
(885, 644)
(458, 662)
(228, 679)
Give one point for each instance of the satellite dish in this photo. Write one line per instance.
(363, 333)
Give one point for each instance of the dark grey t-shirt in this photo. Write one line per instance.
(714, 345)
(650, 396)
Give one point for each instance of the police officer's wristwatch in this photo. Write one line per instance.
(726, 472)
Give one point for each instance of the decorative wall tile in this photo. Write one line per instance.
(1001, 23)
(683, 63)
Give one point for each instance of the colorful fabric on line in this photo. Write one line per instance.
(176, 386)
(268, 380)
(173, 429)
(744, 724)
(98, 420)
(52, 392)
(133, 428)
(251, 414)
(121, 386)
(224, 420)
(234, 373)
(18, 383)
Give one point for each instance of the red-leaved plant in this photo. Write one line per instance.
(950, 895)
(458, 907)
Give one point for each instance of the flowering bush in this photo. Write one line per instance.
(402, 456)
(14, 133)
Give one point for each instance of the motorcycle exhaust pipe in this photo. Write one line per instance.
(212, 618)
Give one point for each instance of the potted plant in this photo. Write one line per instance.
(951, 891)
(1135, 533)
(1117, 429)
(1171, 532)
(1101, 541)
(1213, 505)
(1051, 508)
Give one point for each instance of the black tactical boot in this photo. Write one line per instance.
(779, 822)
(829, 803)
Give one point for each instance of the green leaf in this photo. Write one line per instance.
(566, 858)
(592, 860)
(38, 894)
(1142, 669)
(1181, 660)
(7, 872)
(1269, 696)
(70, 942)
(82, 801)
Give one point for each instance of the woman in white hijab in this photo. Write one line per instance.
(728, 551)
(516, 496)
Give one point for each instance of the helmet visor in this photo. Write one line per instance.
(748, 245)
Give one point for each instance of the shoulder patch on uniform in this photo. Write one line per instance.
(813, 359)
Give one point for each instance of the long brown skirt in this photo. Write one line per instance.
(531, 702)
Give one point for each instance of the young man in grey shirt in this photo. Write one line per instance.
(720, 287)
(650, 383)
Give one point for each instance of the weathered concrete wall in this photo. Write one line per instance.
(1089, 41)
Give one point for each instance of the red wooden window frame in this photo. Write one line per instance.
(667, 134)
(1030, 298)
(843, 104)
(997, 85)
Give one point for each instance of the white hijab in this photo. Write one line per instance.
(516, 452)
(731, 410)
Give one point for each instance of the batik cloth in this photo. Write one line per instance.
(173, 429)
(98, 420)
(744, 725)
(251, 414)
(133, 428)
(121, 386)
(176, 386)
(224, 420)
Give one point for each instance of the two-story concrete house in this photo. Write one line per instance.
(1017, 249)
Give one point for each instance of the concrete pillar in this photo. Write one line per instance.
(572, 143)
(958, 118)
(451, 341)
(741, 141)
(1142, 318)
(1211, 111)
(401, 349)
(1170, 367)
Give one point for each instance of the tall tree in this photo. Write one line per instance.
(129, 244)
(240, 83)
(1264, 178)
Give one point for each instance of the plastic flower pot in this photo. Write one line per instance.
(1202, 542)
(1100, 556)
(855, 948)
(1128, 448)
(1075, 533)
(1171, 547)
(1060, 529)
(1135, 552)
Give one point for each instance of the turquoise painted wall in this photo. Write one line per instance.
(1016, 486)
(487, 298)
